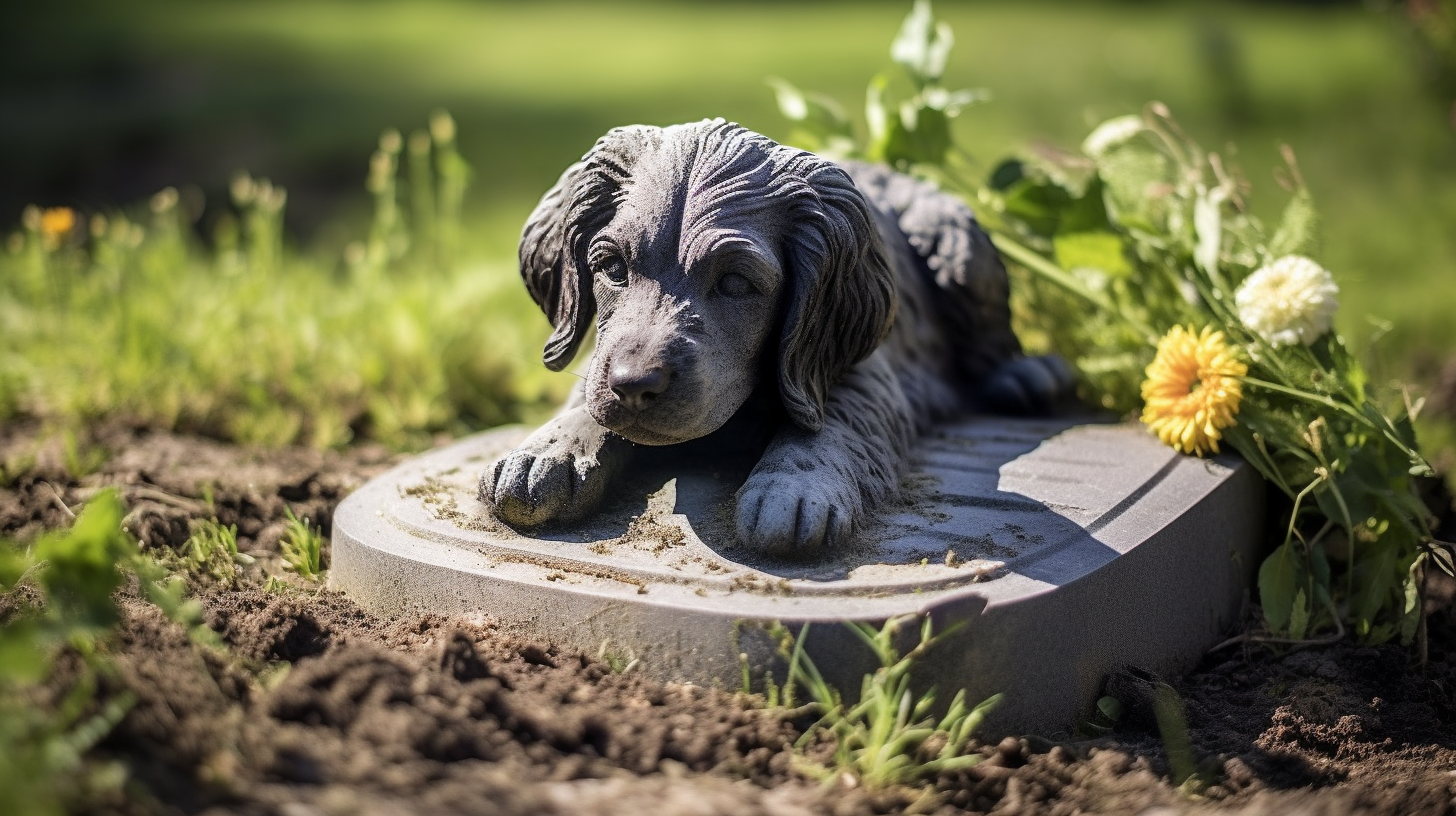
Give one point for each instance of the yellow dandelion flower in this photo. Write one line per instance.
(1192, 391)
(56, 222)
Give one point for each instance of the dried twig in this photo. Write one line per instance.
(59, 502)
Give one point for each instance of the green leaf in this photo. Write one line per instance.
(925, 135)
(1319, 567)
(1376, 580)
(1375, 634)
(1007, 173)
(13, 564)
(877, 120)
(819, 123)
(1279, 578)
(1038, 203)
(81, 572)
(922, 46)
(1135, 179)
(1297, 227)
(22, 659)
(1208, 226)
(1111, 708)
(1299, 616)
(1410, 619)
(1096, 250)
(953, 102)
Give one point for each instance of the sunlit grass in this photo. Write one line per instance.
(887, 736)
(301, 546)
(211, 552)
(130, 317)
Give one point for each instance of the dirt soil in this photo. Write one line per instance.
(316, 707)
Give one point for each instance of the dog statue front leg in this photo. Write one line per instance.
(812, 488)
(558, 474)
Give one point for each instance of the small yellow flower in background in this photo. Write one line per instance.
(1292, 300)
(56, 223)
(1192, 391)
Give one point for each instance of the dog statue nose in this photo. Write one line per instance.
(636, 387)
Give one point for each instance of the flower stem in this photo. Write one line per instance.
(1034, 261)
(1328, 402)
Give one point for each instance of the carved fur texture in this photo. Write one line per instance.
(754, 299)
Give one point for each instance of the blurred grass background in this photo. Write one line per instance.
(102, 104)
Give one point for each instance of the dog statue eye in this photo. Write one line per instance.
(613, 269)
(735, 285)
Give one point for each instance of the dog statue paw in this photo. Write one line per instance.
(724, 272)
(794, 514)
(558, 474)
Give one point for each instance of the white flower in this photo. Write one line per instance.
(1112, 133)
(1292, 300)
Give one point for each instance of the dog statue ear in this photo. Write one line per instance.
(553, 242)
(841, 291)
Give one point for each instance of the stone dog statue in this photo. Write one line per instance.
(751, 296)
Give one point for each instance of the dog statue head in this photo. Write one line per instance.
(713, 258)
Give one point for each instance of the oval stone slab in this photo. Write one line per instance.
(1060, 552)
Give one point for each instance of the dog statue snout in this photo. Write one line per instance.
(636, 387)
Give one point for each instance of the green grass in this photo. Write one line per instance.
(211, 552)
(128, 317)
(303, 351)
(887, 736)
(73, 578)
(302, 547)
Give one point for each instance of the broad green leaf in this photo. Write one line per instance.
(1376, 579)
(1085, 210)
(926, 133)
(1096, 250)
(1279, 578)
(1297, 227)
(1038, 203)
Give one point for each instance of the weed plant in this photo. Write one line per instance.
(62, 598)
(129, 315)
(888, 737)
(302, 546)
(211, 552)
